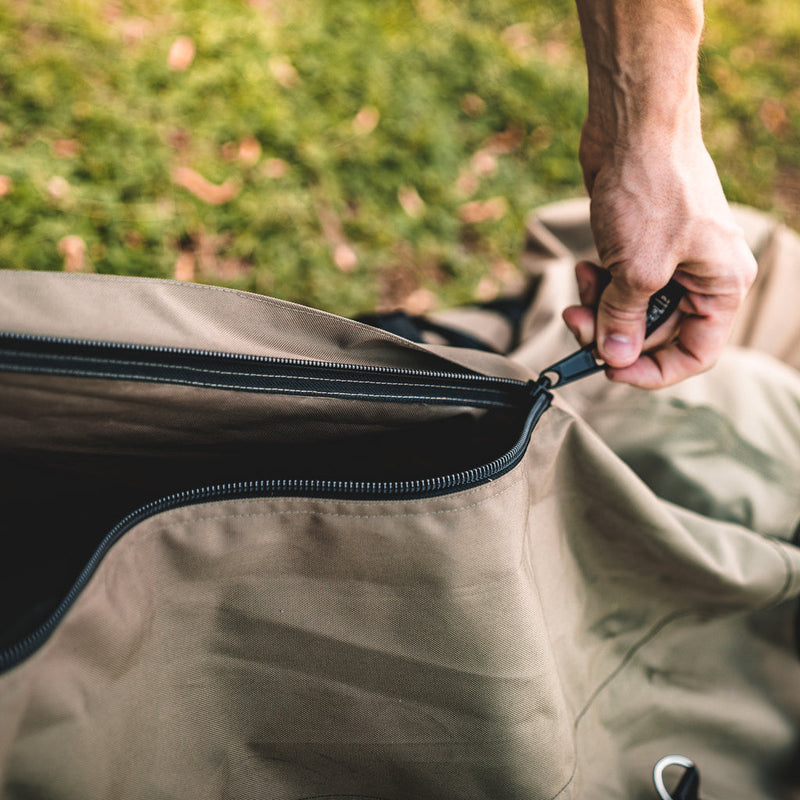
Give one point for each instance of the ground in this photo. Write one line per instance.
(344, 155)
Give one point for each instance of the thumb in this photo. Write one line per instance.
(621, 316)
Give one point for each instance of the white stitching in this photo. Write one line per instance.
(354, 395)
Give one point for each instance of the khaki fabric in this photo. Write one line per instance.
(629, 590)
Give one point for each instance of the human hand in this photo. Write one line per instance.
(657, 212)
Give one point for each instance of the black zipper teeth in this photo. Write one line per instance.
(352, 490)
(95, 359)
(535, 392)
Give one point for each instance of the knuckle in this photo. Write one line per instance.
(622, 314)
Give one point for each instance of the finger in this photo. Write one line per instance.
(591, 279)
(696, 349)
(580, 321)
(621, 315)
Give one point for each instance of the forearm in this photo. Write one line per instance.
(658, 210)
(642, 63)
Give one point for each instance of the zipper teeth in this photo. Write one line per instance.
(353, 490)
(251, 358)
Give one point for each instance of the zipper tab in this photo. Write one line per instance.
(586, 361)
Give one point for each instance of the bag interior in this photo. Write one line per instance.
(81, 454)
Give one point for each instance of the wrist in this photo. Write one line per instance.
(641, 57)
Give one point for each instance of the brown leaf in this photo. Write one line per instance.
(283, 71)
(467, 183)
(195, 183)
(179, 138)
(249, 150)
(366, 120)
(181, 54)
(275, 168)
(345, 257)
(773, 115)
(419, 301)
(184, 266)
(410, 201)
(483, 163)
(472, 105)
(73, 249)
(484, 210)
(58, 188)
(505, 141)
(66, 148)
(519, 39)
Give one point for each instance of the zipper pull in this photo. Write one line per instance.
(586, 361)
(689, 785)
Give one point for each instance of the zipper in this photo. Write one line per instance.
(31, 354)
(250, 373)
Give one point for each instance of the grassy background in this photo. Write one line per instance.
(346, 154)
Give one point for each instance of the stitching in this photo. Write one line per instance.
(657, 629)
(355, 516)
(455, 400)
(241, 373)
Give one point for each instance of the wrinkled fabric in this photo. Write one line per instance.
(629, 590)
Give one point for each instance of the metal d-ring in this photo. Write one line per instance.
(658, 773)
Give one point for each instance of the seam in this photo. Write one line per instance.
(242, 373)
(650, 636)
(267, 301)
(318, 513)
(782, 594)
(453, 399)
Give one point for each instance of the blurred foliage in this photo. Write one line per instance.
(343, 155)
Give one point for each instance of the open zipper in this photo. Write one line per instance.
(30, 354)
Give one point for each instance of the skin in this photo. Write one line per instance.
(657, 207)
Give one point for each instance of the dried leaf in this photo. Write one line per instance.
(473, 105)
(366, 120)
(66, 148)
(181, 54)
(484, 210)
(410, 201)
(773, 115)
(184, 266)
(283, 71)
(179, 138)
(505, 141)
(275, 168)
(212, 193)
(467, 183)
(519, 39)
(483, 163)
(249, 150)
(419, 301)
(134, 30)
(345, 257)
(73, 250)
(58, 188)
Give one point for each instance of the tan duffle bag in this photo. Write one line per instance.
(252, 550)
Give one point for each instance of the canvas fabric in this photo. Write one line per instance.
(627, 591)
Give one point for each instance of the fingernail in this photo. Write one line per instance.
(618, 346)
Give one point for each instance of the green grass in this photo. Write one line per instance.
(341, 136)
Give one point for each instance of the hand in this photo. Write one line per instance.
(658, 211)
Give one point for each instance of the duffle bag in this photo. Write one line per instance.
(253, 550)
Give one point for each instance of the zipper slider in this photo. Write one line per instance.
(586, 361)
